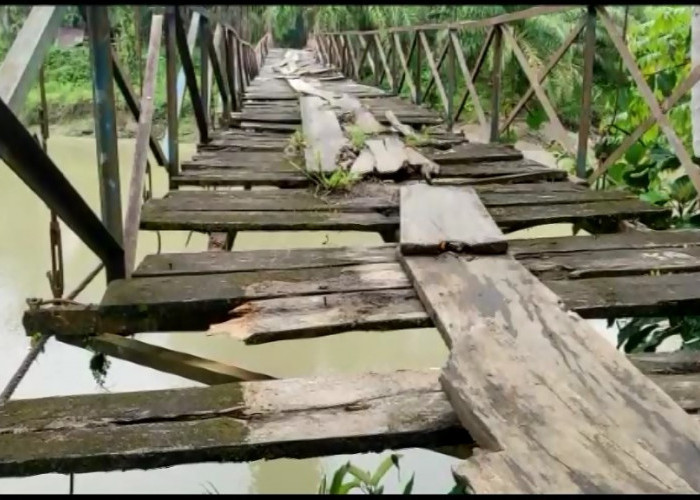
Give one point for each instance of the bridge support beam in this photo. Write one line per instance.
(105, 119)
(496, 82)
(586, 91)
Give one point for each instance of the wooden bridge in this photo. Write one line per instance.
(540, 401)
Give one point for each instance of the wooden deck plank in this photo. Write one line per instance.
(209, 301)
(223, 177)
(519, 217)
(439, 219)
(669, 294)
(607, 263)
(527, 251)
(212, 221)
(292, 418)
(475, 152)
(236, 422)
(588, 421)
(271, 320)
(322, 133)
(167, 264)
(509, 218)
(522, 248)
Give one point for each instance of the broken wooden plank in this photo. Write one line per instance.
(322, 133)
(263, 321)
(388, 152)
(610, 442)
(428, 168)
(647, 299)
(405, 130)
(438, 219)
(165, 360)
(364, 163)
(292, 418)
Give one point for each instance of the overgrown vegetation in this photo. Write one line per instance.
(341, 179)
(357, 136)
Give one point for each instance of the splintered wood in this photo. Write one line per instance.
(383, 153)
(436, 219)
(555, 409)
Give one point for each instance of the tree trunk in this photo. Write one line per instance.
(695, 92)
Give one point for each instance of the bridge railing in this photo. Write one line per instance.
(233, 61)
(387, 54)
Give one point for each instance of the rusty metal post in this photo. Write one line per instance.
(496, 82)
(172, 94)
(204, 64)
(105, 119)
(586, 91)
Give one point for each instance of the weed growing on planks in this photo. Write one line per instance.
(357, 136)
(296, 145)
(418, 139)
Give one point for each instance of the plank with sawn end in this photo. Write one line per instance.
(557, 406)
(437, 219)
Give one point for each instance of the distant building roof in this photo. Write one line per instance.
(70, 37)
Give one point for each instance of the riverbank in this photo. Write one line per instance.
(84, 126)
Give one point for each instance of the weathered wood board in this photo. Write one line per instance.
(587, 419)
(388, 152)
(165, 264)
(297, 418)
(322, 133)
(293, 418)
(437, 219)
(262, 321)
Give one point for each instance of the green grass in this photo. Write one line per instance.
(69, 89)
(358, 137)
